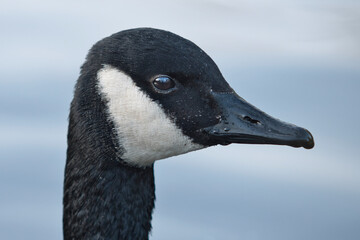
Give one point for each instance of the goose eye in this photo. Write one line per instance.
(163, 83)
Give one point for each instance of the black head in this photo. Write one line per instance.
(189, 88)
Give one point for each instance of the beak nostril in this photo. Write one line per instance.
(251, 120)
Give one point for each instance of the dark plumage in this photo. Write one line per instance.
(107, 197)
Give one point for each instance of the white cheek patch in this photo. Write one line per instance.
(145, 132)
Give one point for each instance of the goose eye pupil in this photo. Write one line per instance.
(164, 83)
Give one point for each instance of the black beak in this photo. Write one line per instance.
(240, 122)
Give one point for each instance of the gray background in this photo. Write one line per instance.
(296, 60)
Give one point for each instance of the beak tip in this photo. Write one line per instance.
(308, 140)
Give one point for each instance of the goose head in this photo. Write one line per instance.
(166, 96)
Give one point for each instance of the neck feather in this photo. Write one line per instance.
(103, 197)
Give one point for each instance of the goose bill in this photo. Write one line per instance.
(240, 122)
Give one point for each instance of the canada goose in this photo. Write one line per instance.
(143, 95)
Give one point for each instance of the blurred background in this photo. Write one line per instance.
(297, 60)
